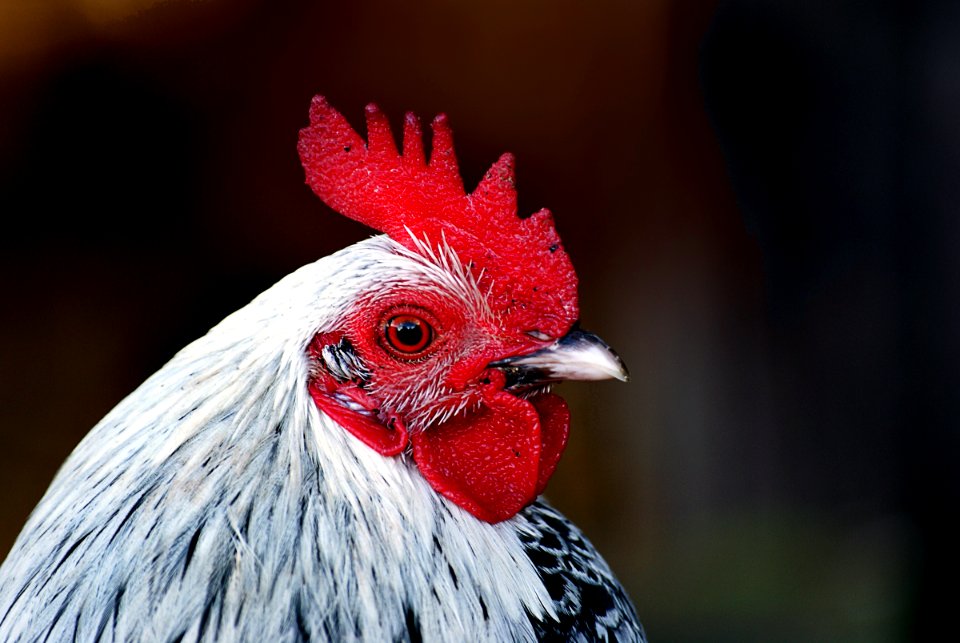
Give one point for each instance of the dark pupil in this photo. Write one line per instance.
(409, 333)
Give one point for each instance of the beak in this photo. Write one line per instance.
(578, 355)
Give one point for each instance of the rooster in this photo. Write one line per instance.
(355, 455)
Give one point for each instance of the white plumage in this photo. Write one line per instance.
(216, 502)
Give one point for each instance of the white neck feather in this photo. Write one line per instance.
(222, 458)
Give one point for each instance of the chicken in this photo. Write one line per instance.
(357, 453)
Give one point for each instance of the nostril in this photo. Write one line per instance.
(540, 336)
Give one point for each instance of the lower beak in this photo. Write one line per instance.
(578, 355)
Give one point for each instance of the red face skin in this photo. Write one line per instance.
(497, 451)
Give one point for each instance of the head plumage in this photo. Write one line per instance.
(530, 277)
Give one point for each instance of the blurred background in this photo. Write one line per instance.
(759, 196)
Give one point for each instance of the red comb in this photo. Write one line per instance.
(530, 277)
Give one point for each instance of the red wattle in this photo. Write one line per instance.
(554, 430)
(495, 461)
(385, 440)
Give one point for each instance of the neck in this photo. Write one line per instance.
(218, 488)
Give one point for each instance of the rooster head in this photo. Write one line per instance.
(453, 354)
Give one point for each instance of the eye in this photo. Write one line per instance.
(408, 333)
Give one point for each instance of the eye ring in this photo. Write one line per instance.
(408, 334)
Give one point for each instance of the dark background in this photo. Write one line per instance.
(760, 198)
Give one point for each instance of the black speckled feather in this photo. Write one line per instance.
(589, 601)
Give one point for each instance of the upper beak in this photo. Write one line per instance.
(578, 355)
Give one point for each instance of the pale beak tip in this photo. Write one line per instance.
(579, 355)
(621, 373)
